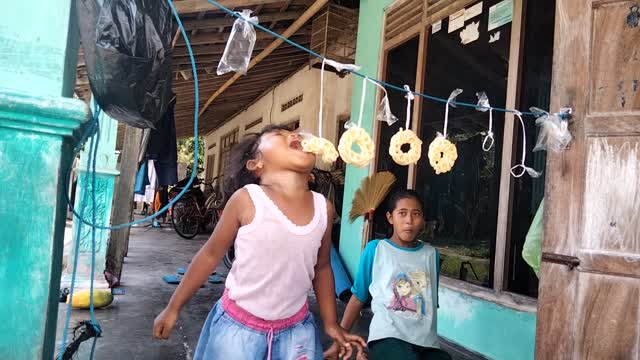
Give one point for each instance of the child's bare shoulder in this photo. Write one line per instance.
(241, 205)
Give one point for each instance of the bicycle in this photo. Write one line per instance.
(196, 209)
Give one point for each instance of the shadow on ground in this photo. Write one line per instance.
(127, 323)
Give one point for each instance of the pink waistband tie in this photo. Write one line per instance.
(266, 326)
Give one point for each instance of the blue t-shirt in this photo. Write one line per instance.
(402, 284)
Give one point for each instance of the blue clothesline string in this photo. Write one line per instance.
(357, 73)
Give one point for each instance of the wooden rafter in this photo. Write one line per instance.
(204, 24)
(312, 10)
(195, 6)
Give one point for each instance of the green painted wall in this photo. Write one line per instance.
(38, 129)
(38, 46)
(367, 55)
(492, 330)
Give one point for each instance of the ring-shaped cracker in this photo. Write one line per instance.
(322, 147)
(442, 155)
(360, 137)
(395, 147)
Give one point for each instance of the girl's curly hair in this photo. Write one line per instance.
(247, 149)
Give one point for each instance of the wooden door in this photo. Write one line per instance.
(589, 300)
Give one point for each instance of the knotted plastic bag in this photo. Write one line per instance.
(127, 51)
(237, 52)
(554, 132)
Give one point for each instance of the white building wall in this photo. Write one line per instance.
(337, 105)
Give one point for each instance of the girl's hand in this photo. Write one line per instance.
(164, 323)
(344, 341)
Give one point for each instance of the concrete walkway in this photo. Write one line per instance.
(127, 323)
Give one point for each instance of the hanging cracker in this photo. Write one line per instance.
(317, 144)
(442, 152)
(406, 136)
(359, 136)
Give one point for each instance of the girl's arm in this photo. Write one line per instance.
(324, 287)
(204, 262)
(351, 313)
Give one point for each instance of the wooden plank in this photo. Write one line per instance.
(444, 12)
(411, 16)
(612, 124)
(505, 200)
(218, 49)
(402, 37)
(219, 38)
(418, 103)
(564, 187)
(611, 203)
(616, 89)
(609, 262)
(312, 10)
(202, 61)
(194, 6)
(204, 24)
(607, 329)
(122, 204)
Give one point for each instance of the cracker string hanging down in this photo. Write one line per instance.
(442, 152)
(319, 145)
(406, 136)
(523, 168)
(483, 106)
(359, 136)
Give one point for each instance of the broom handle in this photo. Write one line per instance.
(365, 233)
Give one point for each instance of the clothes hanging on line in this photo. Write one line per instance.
(163, 148)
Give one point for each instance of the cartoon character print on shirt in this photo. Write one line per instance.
(409, 294)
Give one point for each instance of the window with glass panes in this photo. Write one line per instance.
(477, 214)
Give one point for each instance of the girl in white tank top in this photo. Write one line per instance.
(281, 234)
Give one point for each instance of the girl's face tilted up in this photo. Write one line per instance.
(282, 149)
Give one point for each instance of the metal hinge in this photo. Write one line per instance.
(570, 261)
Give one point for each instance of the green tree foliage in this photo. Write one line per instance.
(185, 153)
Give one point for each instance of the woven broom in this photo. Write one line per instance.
(368, 197)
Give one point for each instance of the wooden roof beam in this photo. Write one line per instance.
(195, 6)
(299, 23)
(204, 24)
(212, 38)
(218, 49)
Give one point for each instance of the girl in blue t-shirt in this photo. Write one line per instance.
(400, 277)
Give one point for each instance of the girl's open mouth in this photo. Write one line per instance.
(295, 144)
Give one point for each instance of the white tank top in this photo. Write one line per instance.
(275, 259)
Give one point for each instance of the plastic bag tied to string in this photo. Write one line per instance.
(384, 108)
(554, 132)
(356, 135)
(520, 169)
(237, 52)
(484, 106)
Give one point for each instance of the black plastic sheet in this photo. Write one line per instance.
(127, 51)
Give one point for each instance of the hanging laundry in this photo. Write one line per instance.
(163, 148)
(142, 179)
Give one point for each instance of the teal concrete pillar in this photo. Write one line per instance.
(106, 173)
(39, 126)
(370, 21)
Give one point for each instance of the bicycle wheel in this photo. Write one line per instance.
(229, 257)
(185, 217)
